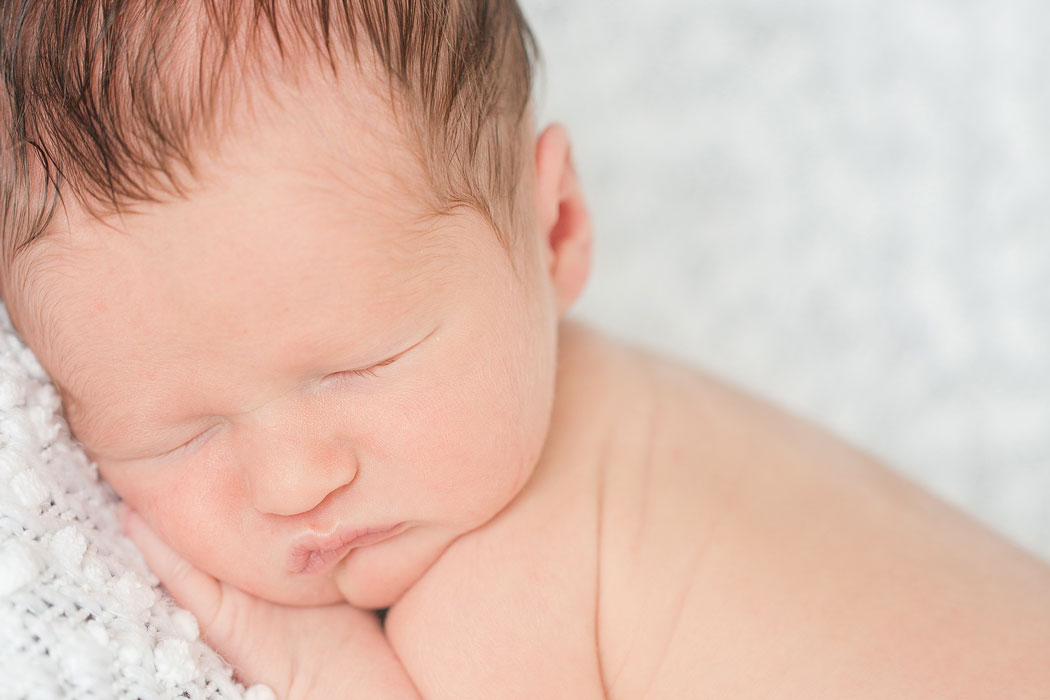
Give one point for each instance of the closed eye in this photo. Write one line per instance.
(192, 443)
(371, 370)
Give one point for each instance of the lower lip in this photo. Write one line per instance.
(312, 562)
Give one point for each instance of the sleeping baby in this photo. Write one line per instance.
(300, 273)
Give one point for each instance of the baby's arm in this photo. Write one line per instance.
(332, 651)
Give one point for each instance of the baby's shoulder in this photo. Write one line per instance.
(747, 542)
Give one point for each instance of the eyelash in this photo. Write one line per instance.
(186, 445)
(367, 371)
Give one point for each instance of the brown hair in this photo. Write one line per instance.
(105, 99)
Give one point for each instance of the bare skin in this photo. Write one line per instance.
(682, 539)
(286, 355)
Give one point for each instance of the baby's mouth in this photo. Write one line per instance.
(313, 553)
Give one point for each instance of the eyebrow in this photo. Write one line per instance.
(127, 442)
(87, 423)
(74, 412)
(71, 405)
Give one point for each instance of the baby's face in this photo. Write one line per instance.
(292, 357)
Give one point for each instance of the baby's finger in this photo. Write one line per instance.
(189, 586)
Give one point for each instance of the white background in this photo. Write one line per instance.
(839, 205)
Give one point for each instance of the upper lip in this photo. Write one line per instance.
(334, 544)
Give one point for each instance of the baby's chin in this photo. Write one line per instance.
(365, 582)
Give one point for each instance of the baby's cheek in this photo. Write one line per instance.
(201, 505)
(160, 499)
(135, 486)
(189, 505)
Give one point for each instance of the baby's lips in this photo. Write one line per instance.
(313, 552)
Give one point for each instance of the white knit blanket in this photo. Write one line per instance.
(80, 616)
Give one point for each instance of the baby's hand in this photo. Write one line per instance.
(319, 652)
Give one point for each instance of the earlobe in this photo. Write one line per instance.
(562, 217)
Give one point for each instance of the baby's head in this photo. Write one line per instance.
(304, 271)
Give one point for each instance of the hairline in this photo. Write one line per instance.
(256, 52)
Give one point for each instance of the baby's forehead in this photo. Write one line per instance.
(301, 146)
(321, 156)
(263, 239)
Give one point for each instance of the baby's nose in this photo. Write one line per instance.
(289, 477)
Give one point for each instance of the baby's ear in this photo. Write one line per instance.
(562, 218)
